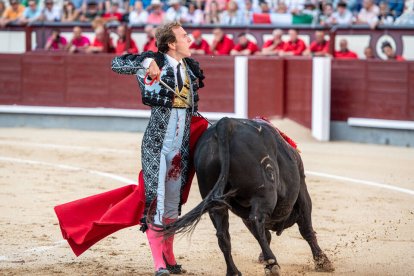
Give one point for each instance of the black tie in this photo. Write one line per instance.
(179, 79)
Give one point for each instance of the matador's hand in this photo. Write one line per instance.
(154, 71)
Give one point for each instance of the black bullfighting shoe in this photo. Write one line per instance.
(175, 269)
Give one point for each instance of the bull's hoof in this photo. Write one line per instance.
(323, 264)
(272, 270)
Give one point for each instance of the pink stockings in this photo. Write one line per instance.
(161, 248)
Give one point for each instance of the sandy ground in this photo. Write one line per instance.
(364, 230)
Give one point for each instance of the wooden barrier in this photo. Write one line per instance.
(276, 86)
(372, 89)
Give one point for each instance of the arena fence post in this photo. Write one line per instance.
(321, 98)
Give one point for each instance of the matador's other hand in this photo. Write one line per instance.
(154, 71)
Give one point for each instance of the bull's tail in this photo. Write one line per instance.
(216, 198)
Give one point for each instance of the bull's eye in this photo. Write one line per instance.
(270, 172)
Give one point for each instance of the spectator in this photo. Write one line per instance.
(78, 43)
(368, 14)
(221, 5)
(2, 8)
(91, 12)
(176, 12)
(396, 7)
(222, 45)
(282, 8)
(295, 46)
(70, 13)
(247, 13)
(194, 16)
(151, 44)
(344, 52)
(213, 14)
(264, 7)
(389, 52)
(319, 47)
(232, 15)
(138, 15)
(31, 13)
(55, 41)
(51, 13)
(326, 18)
(385, 17)
(199, 45)
(245, 47)
(98, 44)
(275, 45)
(156, 15)
(113, 15)
(369, 53)
(122, 6)
(121, 44)
(342, 16)
(12, 14)
(407, 18)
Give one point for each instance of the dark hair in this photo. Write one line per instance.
(241, 34)
(165, 35)
(342, 4)
(385, 44)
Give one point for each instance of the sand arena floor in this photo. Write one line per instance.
(365, 230)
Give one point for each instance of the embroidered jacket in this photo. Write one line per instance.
(156, 94)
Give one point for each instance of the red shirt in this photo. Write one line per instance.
(319, 47)
(202, 46)
(117, 15)
(399, 58)
(279, 46)
(121, 47)
(250, 45)
(224, 46)
(150, 45)
(345, 55)
(296, 47)
(99, 43)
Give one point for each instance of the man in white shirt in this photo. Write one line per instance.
(176, 12)
(369, 14)
(50, 12)
(342, 16)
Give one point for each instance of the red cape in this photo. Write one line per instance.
(86, 221)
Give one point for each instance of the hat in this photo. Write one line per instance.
(155, 2)
(173, 2)
(196, 33)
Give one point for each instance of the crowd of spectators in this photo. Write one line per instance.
(224, 12)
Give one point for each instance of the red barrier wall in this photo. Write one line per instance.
(266, 86)
(59, 79)
(298, 90)
(372, 89)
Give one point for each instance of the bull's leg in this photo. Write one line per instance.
(220, 219)
(256, 225)
(304, 221)
(268, 237)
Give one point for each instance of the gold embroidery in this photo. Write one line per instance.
(184, 93)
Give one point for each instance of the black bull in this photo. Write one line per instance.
(246, 166)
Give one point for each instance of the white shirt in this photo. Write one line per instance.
(173, 15)
(52, 15)
(138, 18)
(173, 62)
